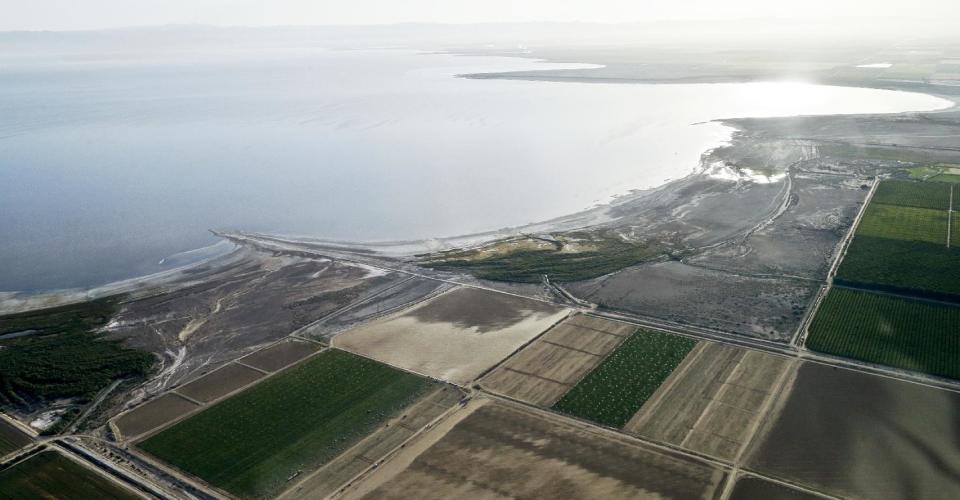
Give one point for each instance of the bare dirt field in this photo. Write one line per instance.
(154, 414)
(546, 369)
(769, 308)
(503, 451)
(280, 355)
(712, 402)
(455, 336)
(220, 382)
(862, 436)
(372, 449)
(11, 438)
(751, 488)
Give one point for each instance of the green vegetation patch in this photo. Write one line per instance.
(935, 195)
(251, 444)
(605, 255)
(909, 267)
(51, 475)
(888, 330)
(948, 178)
(55, 353)
(616, 389)
(904, 223)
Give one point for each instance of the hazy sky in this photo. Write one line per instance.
(92, 14)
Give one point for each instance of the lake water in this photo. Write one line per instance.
(110, 165)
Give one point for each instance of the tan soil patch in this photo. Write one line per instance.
(713, 401)
(455, 336)
(545, 370)
(500, 451)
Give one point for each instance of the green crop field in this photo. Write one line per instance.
(252, 443)
(51, 475)
(888, 330)
(616, 389)
(908, 267)
(951, 178)
(935, 195)
(955, 230)
(904, 223)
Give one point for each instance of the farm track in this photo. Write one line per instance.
(786, 349)
(793, 350)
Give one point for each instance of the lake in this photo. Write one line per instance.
(111, 164)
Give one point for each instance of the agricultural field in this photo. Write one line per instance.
(904, 223)
(751, 488)
(55, 354)
(219, 382)
(153, 414)
(934, 195)
(502, 451)
(332, 476)
(11, 438)
(455, 336)
(856, 435)
(905, 267)
(253, 443)
(49, 474)
(888, 330)
(713, 400)
(280, 355)
(546, 369)
(615, 390)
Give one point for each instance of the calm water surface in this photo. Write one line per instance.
(109, 166)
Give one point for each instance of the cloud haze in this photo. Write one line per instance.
(95, 14)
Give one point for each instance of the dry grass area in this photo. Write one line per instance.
(154, 414)
(545, 370)
(454, 337)
(713, 401)
(376, 446)
(281, 355)
(503, 451)
(219, 383)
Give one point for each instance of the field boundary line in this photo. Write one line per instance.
(949, 215)
(245, 365)
(781, 482)
(286, 493)
(516, 352)
(111, 473)
(570, 348)
(803, 330)
(607, 431)
(773, 398)
(184, 476)
(145, 435)
(656, 400)
(534, 375)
